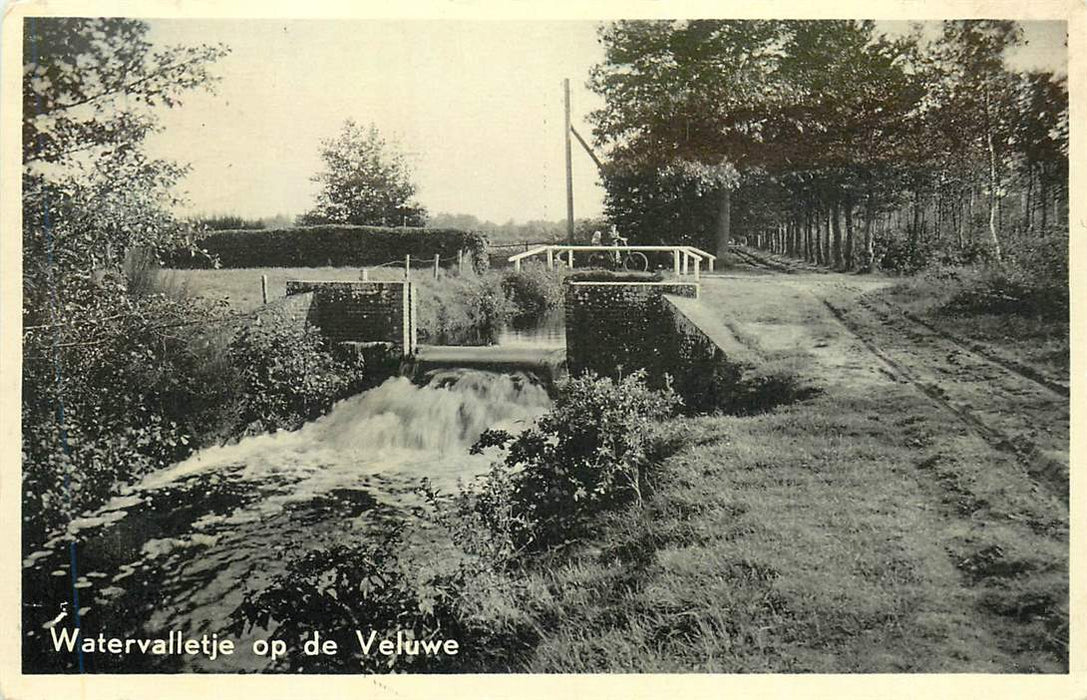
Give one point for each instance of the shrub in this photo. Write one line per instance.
(116, 393)
(471, 308)
(902, 255)
(144, 378)
(534, 291)
(588, 453)
(1009, 289)
(286, 373)
(330, 245)
(362, 586)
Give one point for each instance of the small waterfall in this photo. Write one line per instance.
(398, 427)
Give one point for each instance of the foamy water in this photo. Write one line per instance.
(398, 428)
(193, 537)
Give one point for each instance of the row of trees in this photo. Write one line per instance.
(830, 141)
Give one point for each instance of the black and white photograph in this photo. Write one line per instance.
(631, 344)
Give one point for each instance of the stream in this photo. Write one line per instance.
(178, 549)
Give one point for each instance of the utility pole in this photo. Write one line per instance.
(569, 167)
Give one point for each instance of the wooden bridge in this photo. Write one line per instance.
(686, 260)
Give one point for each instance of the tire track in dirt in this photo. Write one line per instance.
(1040, 466)
(760, 263)
(1012, 366)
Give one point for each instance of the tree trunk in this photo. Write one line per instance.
(836, 228)
(992, 183)
(1044, 182)
(914, 225)
(869, 245)
(807, 235)
(964, 214)
(724, 225)
(827, 260)
(848, 233)
(1028, 201)
(938, 214)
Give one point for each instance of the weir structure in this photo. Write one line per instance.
(655, 324)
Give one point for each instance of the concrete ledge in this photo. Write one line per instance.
(705, 321)
(549, 365)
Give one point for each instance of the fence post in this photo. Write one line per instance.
(436, 260)
(365, 277)
(264, 288)
(686, 263)
(550, 259)
(571, 259)
(675, 260)
(407, 266)
(460, 261)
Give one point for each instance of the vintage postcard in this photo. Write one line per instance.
(488, 348)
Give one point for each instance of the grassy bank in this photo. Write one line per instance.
(846, 534)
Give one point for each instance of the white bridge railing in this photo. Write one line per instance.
(686, 260)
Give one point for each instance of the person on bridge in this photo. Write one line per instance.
(616, 239)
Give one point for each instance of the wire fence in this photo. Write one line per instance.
(423, 264)
(407, 263)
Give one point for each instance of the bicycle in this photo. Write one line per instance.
(630, 260)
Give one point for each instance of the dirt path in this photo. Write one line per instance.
(986, 443)
(855, 340)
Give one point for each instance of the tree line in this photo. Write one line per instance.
(833, 142)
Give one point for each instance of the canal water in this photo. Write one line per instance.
(546, 333)
(178, 550)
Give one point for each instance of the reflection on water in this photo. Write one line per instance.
(548, 331)
(178, 550)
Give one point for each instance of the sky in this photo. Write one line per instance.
(477, 107)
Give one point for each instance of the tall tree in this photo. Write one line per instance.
(365, 182)
(91, 93)
(980, 90)
(693, 98)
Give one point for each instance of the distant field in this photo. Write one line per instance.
(241, 287)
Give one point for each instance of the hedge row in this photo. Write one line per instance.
(330, 245)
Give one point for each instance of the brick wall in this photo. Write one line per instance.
(362, 312)
(612, 324)
(634, 326)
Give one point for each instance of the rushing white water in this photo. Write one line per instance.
(396, 429)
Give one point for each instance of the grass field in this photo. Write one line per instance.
(240, 288)
(451, 309)
(816, 539)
